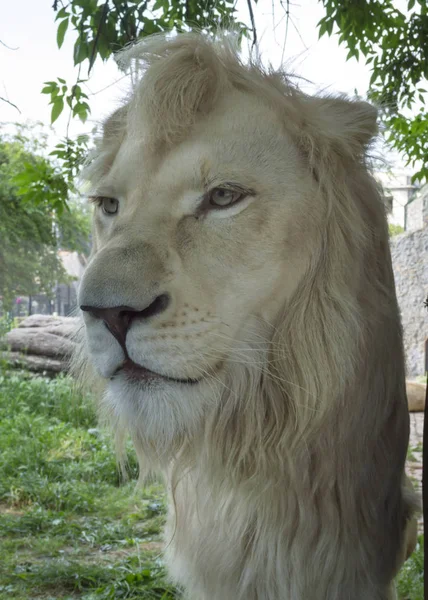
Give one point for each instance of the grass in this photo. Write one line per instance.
(410, 582)
(69, 528)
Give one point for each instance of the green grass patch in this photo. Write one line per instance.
(69, 527)
(411, 579)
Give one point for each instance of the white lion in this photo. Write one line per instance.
(239, 306)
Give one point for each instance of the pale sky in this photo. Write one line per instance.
(29, 26)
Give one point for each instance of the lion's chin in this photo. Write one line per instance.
(157, 412)
(134, 372)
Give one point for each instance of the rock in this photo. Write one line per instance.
(41, 343)
(416, 393)
(409, 253)
(50, 323)
(34, 363)
(40, 321)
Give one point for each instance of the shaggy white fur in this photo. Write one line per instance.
(248, 206)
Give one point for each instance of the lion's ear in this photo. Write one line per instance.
(183, 79)
(346, 126)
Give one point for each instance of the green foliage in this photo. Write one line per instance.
(395, 45)
(395, 229)
(38, 182)
(103, 27)
(68, 526)
(411, 579)
(74, 97)
(34, 221)
(6, 324)
(72, 154)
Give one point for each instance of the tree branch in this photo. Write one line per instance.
(71, 101)
(11, 103)
(287, 13)
(253, 24)
(8, 47)
(97, 37)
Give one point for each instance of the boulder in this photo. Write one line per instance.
(41, 321)
(39, 364)
(416, 394)
(41, 343)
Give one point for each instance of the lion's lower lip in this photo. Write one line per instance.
(138, 373)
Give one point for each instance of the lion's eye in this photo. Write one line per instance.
(223, 197)
(110, 206)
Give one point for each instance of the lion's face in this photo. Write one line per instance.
(208, 235)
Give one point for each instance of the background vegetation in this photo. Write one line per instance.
(35, 220)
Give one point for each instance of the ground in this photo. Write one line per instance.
(69, 527)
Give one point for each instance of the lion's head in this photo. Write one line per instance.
(238, 241)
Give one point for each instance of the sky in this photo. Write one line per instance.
(28, 29)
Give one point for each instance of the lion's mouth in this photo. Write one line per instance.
(138, 373)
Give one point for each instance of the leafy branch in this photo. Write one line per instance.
(395, 45)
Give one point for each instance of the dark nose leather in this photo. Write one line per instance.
(118, 319)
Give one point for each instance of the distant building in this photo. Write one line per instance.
(66, 294)
(416, 210)
(399, 192)
(410, 263)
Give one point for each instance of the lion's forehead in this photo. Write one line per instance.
(242, 140)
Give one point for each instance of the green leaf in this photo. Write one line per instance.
(61, 14)
(410, 4)
(47, 90)
(80, 51)
(323, 28)
(50, 86)
(77, 91)
(57, 109)
(62, 28)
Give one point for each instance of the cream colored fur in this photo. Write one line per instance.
(285, 463)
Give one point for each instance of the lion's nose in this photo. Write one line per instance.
(118, 319)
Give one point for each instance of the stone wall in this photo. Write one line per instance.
(410, 262)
